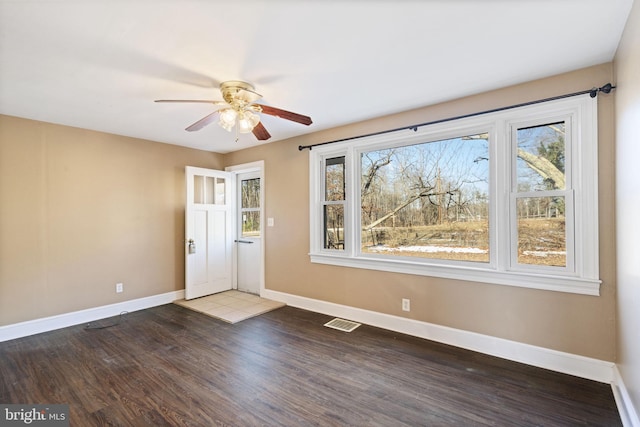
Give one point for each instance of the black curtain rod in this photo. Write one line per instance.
(592, 93)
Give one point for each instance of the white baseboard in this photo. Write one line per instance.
(580, 366)
(31, 327)
(626, 409)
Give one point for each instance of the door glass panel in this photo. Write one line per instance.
(542, 238)
(250, 207)
(250, 193)
(198, 189)
(219, 189)
(251, 224)
(208, 190)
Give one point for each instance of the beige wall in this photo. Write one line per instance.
(627, 72)
(81, 211)
(576, 324)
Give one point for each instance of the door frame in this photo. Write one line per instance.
(257, 166)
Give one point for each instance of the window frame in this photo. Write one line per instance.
(568, 193)
(581, 274)
(324, 202)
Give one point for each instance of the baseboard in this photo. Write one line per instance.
(626, 409)
(580, 366)
(31, 327)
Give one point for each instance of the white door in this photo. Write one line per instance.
(209, 231)
(249, 231)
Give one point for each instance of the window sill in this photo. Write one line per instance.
(569, 284)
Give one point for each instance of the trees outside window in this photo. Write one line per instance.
(541, 195)
(427, 200)
(250, 207)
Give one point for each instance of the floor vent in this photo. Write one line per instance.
(342, 325)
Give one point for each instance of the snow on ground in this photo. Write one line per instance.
(544, 253)
(428, 249)
(437, 249)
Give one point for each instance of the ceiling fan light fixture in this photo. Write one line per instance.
(247, 121)
(228, 118)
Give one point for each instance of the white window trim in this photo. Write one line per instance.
(580, 278)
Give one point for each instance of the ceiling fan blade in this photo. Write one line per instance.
(284, 114)
(260, 132)
(202, 122)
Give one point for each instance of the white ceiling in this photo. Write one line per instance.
(100, 64)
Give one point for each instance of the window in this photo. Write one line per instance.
(507, 198)
(333, 203)
(541, 195)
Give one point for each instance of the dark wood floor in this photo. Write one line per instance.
(171, 366)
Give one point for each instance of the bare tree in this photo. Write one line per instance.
(417, 177)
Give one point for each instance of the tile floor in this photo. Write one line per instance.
(231, 306)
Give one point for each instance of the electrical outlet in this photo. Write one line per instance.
(119, 288)
(406, 304)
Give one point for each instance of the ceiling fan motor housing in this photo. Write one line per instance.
(238, 93)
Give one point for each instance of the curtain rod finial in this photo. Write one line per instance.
(607, 88)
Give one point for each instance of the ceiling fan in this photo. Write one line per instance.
(240, 111)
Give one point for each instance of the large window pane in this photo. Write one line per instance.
(542, 238)
(541, 157)
(427, 200)
(334, 226)
(334, 179)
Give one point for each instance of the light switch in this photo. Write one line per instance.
(269, 222)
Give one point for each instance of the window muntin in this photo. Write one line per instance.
(427, 200)
(577, 273)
